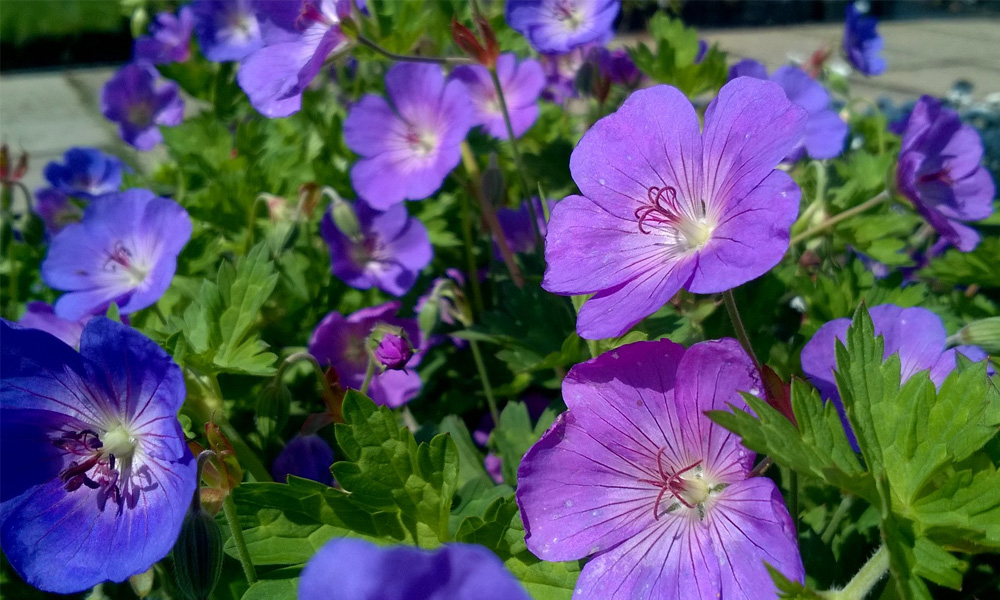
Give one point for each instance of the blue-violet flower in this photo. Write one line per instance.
(85, 173)
(521, 82)
(557, 26)
(169, 39)
(862, 44)
(132, 99)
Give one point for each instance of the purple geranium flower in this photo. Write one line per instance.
(560, 73)
(617, 66)
(226, 29)
(132, 99)
(55, 209)
(407, 147)
(306, 456)
(87, 173)
(939, 171)
(169, 39)
(915, 334)
(393, 352)
(42, 316)
(124, 250)
(275, 76)
(341, 342)
(862, 44)
(666, 207)
(96, 473)
(521, 83)
(825, 130)
(515, 223)
(636, 477)
(352, 569)
(556, 26)
(387, 251)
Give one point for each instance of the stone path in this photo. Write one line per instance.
(46, 113)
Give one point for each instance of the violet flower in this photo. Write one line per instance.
(617, 66)
(132, 99)
(393, 351)
(636, 477)
(55, 209)
(87, 173)
(124, 250)
(939, 171)
(305, 456)
(915, 334)
(96, 472)
(410, 145)
(556, 26)
(387, 251)
(353, 569)
(560, 73)
(665, 207)
(169, 39)
(515, 223)
(41, 316)
(226, 29)
(862, 44)
(521, 83)
(825, 132)
(341, 342)
(275, 75)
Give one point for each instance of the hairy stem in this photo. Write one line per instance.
(229, 507)
(741, 332)
(836, 518)
(438, 60)
(870, 574)
(369, 373)
(841, 216)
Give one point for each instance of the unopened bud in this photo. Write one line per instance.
(393, 349)
(198, 551)
(485, 55)
(272, 409)
(984, 333)
(344, 216)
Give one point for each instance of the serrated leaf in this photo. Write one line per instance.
(387, 470)
(512, 438)
(470, 465)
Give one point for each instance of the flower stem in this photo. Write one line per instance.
(793, 499)
(841, 216)
(438, 60)
(484, 379)
(836, 518)
(578, 301)
(741, 332)
(369, 373)
(229, 507)
(870, 574)
(322, 383)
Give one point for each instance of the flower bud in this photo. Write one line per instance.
(393, 350)
(485, 55)
(272, 409)
(198, 555)
(984, 333)
(344, 216)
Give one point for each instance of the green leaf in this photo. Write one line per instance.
(386, 470)
(514, 435)
(470, 464)
(282, 584)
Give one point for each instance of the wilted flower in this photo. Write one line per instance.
(96, 474)
(341, 342)
(124, 250)
(275, 75)
(825, 130)
(387, 249)
(226, 29)
(939, 171)
(55, 209)
(86, 173)
(862, 44)
(352, 569)
(555, 26)
(521, 83)
(41, 316)
(665, 207)
(915, 334)
(306, 456)
(132, 99)
(407, 147)
(636, 477)
(169, 39)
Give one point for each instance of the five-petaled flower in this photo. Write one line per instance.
(557, 26)
(227, 29)
(124, 250)
(96, 472)
(132, 99)
(169, 38)
(407, 147)
(665, 207)
(862, 43)
(939, 171)
(637, 478)
(521, 82)
(85, 173)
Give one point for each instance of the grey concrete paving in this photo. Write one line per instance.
(47, 113)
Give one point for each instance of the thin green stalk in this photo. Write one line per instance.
(793, 499)
(369, 373)
(591, 344)
(229, 507)
(741, 332)
(870, 574)
(836, 518)
(484, 379)
(841, 216)
(438, 60)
